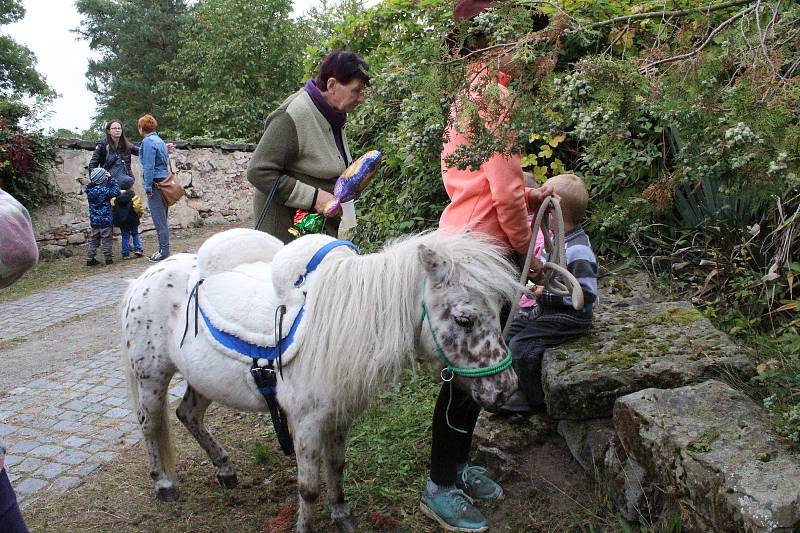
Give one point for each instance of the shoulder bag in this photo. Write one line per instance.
(170, 189)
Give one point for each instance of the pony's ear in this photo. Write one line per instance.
(440, 270)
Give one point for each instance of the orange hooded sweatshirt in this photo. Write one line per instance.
(491, 200)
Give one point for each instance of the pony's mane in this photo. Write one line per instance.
(364, 312)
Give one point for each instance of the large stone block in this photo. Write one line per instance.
(596, 447)
(713, 449)
(71, 165)
(633, 347)
(500, 439)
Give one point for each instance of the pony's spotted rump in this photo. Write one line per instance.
(363, 325)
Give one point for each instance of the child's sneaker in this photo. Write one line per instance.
(109, 262)
(138, 253)
(452, 509)
(477, 485)
(92, 262)
(156, 257)
(125, 257)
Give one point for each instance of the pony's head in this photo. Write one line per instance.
(463, 291)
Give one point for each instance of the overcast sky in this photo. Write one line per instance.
(63, 58)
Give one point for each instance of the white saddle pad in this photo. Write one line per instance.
(241, 298)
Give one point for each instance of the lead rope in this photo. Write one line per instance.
(450, 401)
(556, 264)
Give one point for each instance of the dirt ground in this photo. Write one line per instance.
(554, 495)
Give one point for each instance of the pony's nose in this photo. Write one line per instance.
(484, 392)
(506, 387)
(494, 391)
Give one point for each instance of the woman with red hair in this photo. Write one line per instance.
(153, 156)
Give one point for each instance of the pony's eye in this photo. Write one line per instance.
(464, 322)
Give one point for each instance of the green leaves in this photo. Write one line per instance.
(18, 74)
(236, 62)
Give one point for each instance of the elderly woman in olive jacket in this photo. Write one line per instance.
(304, 145)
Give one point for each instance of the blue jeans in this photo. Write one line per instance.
(130, 234)
(158, 210)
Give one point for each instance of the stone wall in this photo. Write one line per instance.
(213, 175)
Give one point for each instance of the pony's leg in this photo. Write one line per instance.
(154, 421)
(191, 413)
(308, 447)
(334, 466)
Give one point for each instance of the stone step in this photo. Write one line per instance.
(712, 449)
(636, 346)
(499, 439)
(596, 447)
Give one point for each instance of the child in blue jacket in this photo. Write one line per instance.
(99, 192)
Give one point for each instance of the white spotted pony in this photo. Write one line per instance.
(365, 318)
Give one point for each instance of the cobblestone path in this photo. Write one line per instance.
(36, 312)
(61, 429)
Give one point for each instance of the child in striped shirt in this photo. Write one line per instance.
(553, 320)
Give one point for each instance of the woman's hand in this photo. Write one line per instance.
(323, 197)
(170, 147)
(537, 196)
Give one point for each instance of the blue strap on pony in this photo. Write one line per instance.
(265, 376)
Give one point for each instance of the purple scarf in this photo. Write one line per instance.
(335, 118)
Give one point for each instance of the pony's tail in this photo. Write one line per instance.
(165, 443)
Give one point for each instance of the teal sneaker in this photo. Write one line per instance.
(453, 510)
(477, 485)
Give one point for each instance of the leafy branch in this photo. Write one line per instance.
(667, 14)
(700, 48)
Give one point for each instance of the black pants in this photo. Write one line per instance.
(451, 448)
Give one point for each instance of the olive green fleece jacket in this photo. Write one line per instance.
(298, 146)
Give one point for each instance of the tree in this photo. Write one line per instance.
(135, 39)
(238, 60)
(321, 22)
(18, 74)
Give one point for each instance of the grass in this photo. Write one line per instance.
(55, 272)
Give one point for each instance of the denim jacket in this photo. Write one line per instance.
(153, 156)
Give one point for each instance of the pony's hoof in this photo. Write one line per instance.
(167, 494)
(229, 481)
(347, 525)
